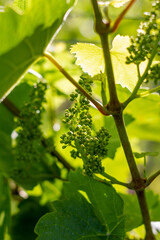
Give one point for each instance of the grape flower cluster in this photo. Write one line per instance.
(28, 150)
(148, 35)
(91, 148)
(154, 74)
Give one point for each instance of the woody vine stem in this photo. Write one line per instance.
(103, 29)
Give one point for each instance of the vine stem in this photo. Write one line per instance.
(121, 16)
(114, 102)
(115, 107)
(11, 107)
(61, 159)
(115, 181)
(152, 178)
(103, 29)
(127, 148)
(145, 213)
(76, 84)
(148, 92)
(138, 182)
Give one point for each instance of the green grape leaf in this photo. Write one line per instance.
(5, 2)
(90, 210)
(21, 4)
(31, 33)
(4, 206)
(90, 58)
(144, 154)
(158, 236)
(114, 3)
(30, 210)
(132, 209)
(147, 115)
(118, 3)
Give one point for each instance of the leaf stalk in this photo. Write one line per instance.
(115, 181)
(103, 110)
(148, 92)
(152, 178)
(121, 16)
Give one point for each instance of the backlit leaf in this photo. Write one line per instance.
(118, 3)
(90, 58)
(114, 3)
(31, 33)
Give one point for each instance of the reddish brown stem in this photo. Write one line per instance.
(121, 16)
(103, 110)
(11, 107)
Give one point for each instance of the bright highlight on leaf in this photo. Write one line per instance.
(114, 3)
(24, 37)
(18, 27)
(118, 3)
(90, 58)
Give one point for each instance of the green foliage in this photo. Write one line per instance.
(90, 58)
(25, 219)
(90, 210)
(34, 170)
(114, 3)
(153, 74)
(146, 125)
(6, 128)
(31, 156)
(144, 154)
(132, 209)
(21, 5)
(118, 3)
(4, 206)
(7, 125)
(92, 149)
(147, 38)
(18, 55)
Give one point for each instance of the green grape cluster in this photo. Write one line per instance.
(154, 74)
(91, 149)
(29, 149)
(148, 33)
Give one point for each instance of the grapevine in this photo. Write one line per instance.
(149, 31)
(30, 154)
(154, 73)
(91, 148)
